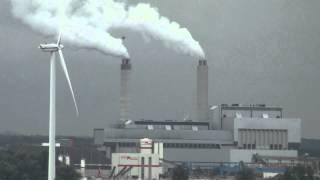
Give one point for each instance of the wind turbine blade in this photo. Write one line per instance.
(65, 70)
(59, 38)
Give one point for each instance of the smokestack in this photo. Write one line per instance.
(202, 91)
(124, 89)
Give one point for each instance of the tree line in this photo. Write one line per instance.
(18, 163)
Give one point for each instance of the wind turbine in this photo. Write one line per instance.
(53, 49)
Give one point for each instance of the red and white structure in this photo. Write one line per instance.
(144, 165)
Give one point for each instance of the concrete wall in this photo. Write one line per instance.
(196, 155)
(221, 155)
(218, 137)
(98, 135)
(228, 123)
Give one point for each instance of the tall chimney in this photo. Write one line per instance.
(124, 89)
(202, 91)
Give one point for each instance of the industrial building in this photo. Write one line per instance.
(223, 133)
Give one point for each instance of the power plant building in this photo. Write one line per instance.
(240, 132)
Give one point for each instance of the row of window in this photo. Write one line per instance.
(178, 145)
(194, 146)
(276, 146)
(127, 144)
(271, 146)
(240, 115)
(171, 127)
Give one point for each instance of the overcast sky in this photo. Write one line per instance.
(265, 51)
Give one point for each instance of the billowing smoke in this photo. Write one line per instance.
(88, 23)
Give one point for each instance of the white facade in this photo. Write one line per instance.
(291, 126)
(136, 165)
(147, 164)
(146, 146)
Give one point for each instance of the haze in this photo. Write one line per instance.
(258, 51)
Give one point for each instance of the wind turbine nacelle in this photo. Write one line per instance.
(50, 47)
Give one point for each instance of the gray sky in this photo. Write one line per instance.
(263, 51)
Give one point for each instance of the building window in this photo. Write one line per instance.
(191, 146)
(127, 144)
(271, 146)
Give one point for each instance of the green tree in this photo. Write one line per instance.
(66, 172)
(17, 164)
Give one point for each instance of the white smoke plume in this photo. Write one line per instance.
(88, 23)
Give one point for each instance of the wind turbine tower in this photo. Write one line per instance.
(53, 49)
